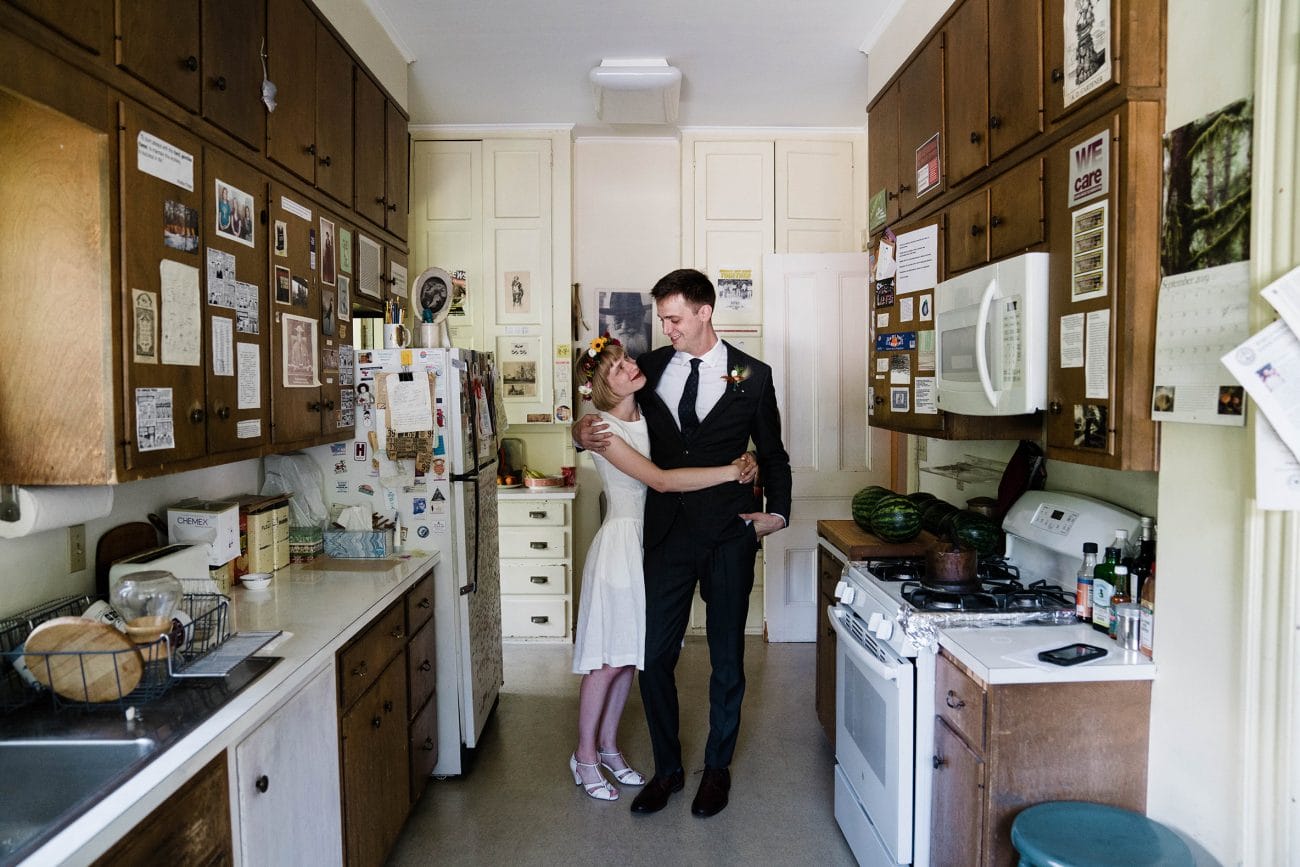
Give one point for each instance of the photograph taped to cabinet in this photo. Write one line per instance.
(328, 268)
(1087, 31)
(180, 226)
(234, 211)
(144, 340)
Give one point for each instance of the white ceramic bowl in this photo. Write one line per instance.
(256, 580)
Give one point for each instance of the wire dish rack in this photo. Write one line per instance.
(163, 660)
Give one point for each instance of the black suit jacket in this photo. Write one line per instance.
(746, 411)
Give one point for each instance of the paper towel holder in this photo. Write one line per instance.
(9, 510)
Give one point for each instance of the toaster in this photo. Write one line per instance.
(188, 562)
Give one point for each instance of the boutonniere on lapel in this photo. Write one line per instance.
(736, 376)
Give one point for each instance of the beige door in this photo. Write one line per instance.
(814, 196)
(814, 337)
(446, 229)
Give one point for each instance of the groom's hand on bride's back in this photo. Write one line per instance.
(591, 433)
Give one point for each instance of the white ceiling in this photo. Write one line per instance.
(743, 62)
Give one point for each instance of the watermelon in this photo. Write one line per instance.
(864, 501)
(896, 519)
(921, 498)
(976, 531)
(933, 512)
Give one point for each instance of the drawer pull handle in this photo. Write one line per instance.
(399, 632)
(427, 746)
(360, 671)
(426, 665)
(376, 722)
(953, 702)
(538, 546)
(220, 82)
(540, 516)
(939, 762)
(540, 618)
(995, 121)
(191, 63)
(976, 231)
(388, 705)
(995, 222)
(539, 579)
(263, 783)
(975, 138)
(424, 603)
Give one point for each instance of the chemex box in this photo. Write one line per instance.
(212, 521)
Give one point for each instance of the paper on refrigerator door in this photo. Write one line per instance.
(409, 407)
(1277, 471)
(1268, 366)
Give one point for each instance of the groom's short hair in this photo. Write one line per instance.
(693, 286)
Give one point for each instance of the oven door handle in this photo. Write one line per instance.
(860, 654)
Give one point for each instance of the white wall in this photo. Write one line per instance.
(369, 38)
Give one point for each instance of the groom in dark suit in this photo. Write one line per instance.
(703, 403)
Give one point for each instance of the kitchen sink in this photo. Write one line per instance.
(44, 778)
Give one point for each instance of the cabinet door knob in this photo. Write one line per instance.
(1058, 75)
(939, 762)
(995, 121)
(538, 579)
(388, 705)
(426, 665)
(878, 400)
(326, 161)
(995, 222)
(191, 63)
(975, 138)
(223, 412)
(311, 149)
(902, 188)
(314, 406)
(376, 722)
(540, 618)
(890, 194)
(392, 207)
(427, 746)
(424, 603)
(360, 671)
(329, 404)
(976, 231)
(220, 82)
(263, 783)
(1054, 407)
(197, 416)
(953, 702)
(380, 200)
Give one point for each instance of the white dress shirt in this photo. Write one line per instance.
(713, 368)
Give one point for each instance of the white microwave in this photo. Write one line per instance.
(991, 338)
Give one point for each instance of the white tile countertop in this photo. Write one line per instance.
(524, 492)
(320, 606)
(1005, 654)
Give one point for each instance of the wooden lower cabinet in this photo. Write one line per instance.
(828, 575)
(999, 749)
(191, 827)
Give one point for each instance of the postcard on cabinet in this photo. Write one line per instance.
(144, 315)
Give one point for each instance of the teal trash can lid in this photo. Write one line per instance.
(1081, 834)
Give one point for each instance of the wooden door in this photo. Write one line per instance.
(957, 814)
(920, 128)
(1016, 218)
(163, 407)
(813, 312)
(882, 160)
(287, 769)
(1015, 74)
(291, 63)
(968, 242)
(828, 575)
(158, 42)
(376, 782)
(334, 71)
(397, 169)
(814, 197)
(370, 170)
(233, 33)
(236, 306)
(966, 66)
(295, 319)
(88, 23)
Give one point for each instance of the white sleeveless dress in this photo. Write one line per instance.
(611, 613)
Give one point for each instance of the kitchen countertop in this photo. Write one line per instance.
(523, 492)
(320, 606)
(1009, 654)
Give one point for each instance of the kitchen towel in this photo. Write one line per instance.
(49, 508)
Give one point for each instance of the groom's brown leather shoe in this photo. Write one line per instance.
(654, 797)
(711, 798)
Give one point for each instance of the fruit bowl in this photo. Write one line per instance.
(544, 482)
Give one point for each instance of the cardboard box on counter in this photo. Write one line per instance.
(213, 521)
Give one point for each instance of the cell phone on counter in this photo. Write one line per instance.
(1072, 654)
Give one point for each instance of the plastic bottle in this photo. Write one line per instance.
(1147, 616)
(1103, 585)
(1083, 583)
(1119, 596)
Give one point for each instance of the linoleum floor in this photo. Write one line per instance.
(517, 804)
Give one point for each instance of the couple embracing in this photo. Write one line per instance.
(677, 513)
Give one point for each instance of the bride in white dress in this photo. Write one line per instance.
(610, 638)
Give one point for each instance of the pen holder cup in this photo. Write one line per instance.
(396, 336)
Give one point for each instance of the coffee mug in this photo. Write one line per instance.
(396, 336)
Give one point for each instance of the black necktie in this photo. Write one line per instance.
(686, 406)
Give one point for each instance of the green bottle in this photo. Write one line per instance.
(1103, 587)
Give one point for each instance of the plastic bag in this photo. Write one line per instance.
(298, 475)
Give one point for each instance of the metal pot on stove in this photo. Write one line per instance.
(949, 563)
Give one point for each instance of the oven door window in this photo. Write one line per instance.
(874, 715)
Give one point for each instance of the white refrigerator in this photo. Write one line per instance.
(446, 501)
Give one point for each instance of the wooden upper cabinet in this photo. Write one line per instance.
(1015, 74)
(291, 64)
(233, 33)
(334, 71)
(398, 167)
(161, 200)
(968, 241)
(966, 63)
(158, 42)
(920, 128)
(1101, 45)
(1104, 272)
(295, 318)
(1016, 217)
(371, 199)
(882, 158)
(236, 318)
(88, 23)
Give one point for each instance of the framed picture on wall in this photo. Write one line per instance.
(739, 297)
(519, 359)
(517, 298)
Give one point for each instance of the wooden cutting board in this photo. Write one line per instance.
(83, 660)
(857, 544)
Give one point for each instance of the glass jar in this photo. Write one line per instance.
(146, 601)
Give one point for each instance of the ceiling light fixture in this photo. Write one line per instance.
(636, 91)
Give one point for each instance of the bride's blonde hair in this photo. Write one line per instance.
(602, 396)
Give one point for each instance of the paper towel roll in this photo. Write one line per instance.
(53, 507)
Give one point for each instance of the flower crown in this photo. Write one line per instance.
(591, 360)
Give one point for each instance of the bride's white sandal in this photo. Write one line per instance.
(601, 791)
(626, 775)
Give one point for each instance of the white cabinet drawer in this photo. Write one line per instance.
(534, 617)
(534, 513)
(536, 578)
(534, 542)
